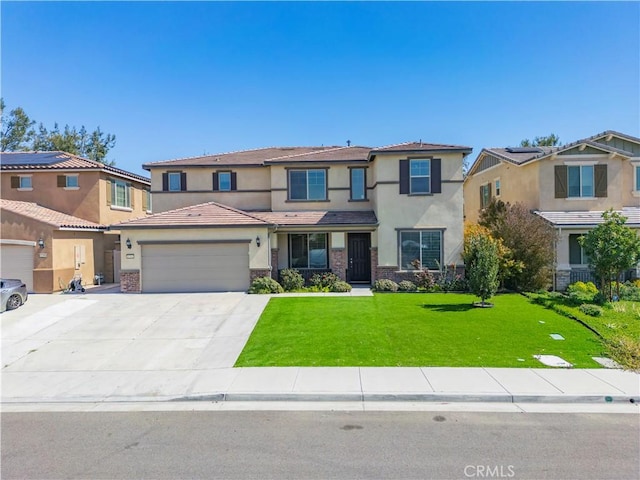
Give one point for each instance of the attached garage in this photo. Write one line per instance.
(16, 261)
(216, 266)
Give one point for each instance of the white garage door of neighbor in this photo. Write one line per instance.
(16, 261)
(205, 267)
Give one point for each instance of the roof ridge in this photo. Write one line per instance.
(324, 150)
(231, 152)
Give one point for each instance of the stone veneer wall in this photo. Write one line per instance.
(130, 281)
(259, 272)
(563, 278)
(337, 262)
(374, 264)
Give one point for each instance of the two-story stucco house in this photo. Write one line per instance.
(56, 210)
(363, 213)
(569, 186)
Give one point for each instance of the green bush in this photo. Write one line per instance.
(580, 292)
(265, 285)
(324, 281)
(629, 291)
(291, 280)
(591, 310)
(385, 286)
(340, 287)
(407, 286)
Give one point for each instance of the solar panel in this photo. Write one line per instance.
(523, 150)
(30, 158)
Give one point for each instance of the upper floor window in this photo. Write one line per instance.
(146, 200)
(121, 194)
(420, 175)
(581, 182)
(224, 181)
(174, 181)
(308, 184)
(68, 181)
(424, 246)
(498, 187)
(485, 195)
(358, 184)
(22, 182)
(637, 170)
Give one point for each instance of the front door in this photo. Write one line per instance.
(359, 257)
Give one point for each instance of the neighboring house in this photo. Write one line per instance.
(359, 212)
(84, 189)
(569, 186)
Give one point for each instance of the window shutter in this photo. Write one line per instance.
(165, 182)
(600, 174)
(145, 200)
(109, 192)
(436, 175)
(132, 192)
(234, 181)
(62, 181)
(216, 185)
(561, 181)
(15, 182)
(404, 177)
(183, 181)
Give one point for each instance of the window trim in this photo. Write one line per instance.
(307, 170)
(635, 191)
(484, 186)
(307, 235)
(226, 173)
(25, 189)
(593, 181)
(497, 187)
(169, 174)
(364, 184)
(428, 177)
(67, 176)
(147, 193)
(127, 189)
(400, 231)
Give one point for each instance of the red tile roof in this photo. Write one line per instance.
(210, 214)
(34, 161)
(48, 216)
(320, 218)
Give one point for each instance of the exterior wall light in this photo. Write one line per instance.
(258, 240)
(41, 243)
(128, 244)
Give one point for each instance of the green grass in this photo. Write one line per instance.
(414, 330)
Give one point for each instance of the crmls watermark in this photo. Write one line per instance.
(489, 471)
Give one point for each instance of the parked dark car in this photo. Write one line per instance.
(13, 294)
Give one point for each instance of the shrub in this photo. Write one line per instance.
(580, 292)
(407, 286)
(324, 281)
(340, 286)
(291, 279)
(625, 351)
(591, 310)
(423, 278)
(385, 286)
(265, 285)
(630, 291)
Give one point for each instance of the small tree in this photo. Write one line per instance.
(545, 141)
(482, 264)
(612, 248)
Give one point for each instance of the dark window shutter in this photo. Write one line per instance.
(404, 177)
(109, 193)
(436, 175)
(216, 185)
(600, 174)
(183, 181)
(15, 182)
(165, 182)
(62, 181)
(234, 181)
(561, 181)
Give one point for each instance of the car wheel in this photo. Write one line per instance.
(14, 302)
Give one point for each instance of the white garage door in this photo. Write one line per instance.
(16, 261)
(207, 267)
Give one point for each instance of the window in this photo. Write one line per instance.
(420, 175)
(308, 250)
(485, 195)
(358, 184)
(224, 181)
(307, 184)
(146, 200)
(497, 187)
(637, 170)
(174, 182)
(120, 194)
(68, 181)
(422, 245)
(580, 180)
(22, 182)
(576, 252)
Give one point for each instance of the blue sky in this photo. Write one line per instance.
(180, 79)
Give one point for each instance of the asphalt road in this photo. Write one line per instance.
(322, 445)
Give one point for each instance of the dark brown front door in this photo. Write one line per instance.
(359, 257)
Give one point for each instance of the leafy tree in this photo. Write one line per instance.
(530, 240)
(17, 129)
(482, 263)
(551, 140)
(612, 248)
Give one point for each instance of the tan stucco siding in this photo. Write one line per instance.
(259, 257)
(111, 214)
(630, 197)
(164, 201)
(90, 253)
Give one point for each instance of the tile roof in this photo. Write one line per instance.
(210, 214)
(606, 133)
(48, 216)
(319, 218)
(588, 218)
(420, 147)
(518, 158)
(20, 161)
(334, 154)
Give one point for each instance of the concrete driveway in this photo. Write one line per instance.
(115, 345)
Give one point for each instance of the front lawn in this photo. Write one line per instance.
(428, 329)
